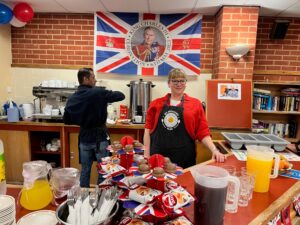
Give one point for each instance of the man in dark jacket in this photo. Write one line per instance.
(87, 107)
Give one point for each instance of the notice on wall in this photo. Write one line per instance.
(229, 91)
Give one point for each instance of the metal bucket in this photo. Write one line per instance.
(140, 97)
(62, 213)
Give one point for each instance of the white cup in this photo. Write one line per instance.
(52, 83)
(138, 119)
(58, 83)
(47, 110)
(62, 110)
(45, 83)
(55, 112)
(64, 84)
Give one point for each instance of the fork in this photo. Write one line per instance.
(71, 198)
(94, 199)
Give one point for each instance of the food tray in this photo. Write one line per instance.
(237, 140)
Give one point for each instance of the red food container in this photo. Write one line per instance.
(123, 112)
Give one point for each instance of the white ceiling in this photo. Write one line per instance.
(277, 8)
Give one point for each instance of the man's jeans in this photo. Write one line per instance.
(87, 153)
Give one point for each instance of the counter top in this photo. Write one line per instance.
(56, 124)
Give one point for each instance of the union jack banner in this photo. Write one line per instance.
(147, 44)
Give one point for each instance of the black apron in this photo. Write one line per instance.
(171, 139)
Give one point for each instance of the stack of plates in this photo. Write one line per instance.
(7, 210)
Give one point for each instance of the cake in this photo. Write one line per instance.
(128, 148)
(117, 147)
(158, 172)
(137, 145)
(167, 160)
(170, 167)
(116, 142)
(143, 161)
(144, 168)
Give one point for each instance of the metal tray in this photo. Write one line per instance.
(237, 140)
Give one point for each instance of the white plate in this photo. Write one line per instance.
(41, 217)
(6, 202)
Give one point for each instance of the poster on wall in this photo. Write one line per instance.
(147, 44)
(229, 91)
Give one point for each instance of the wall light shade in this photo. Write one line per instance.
(237, 51)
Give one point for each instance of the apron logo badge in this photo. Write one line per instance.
(170, 120)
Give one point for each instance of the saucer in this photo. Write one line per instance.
(45, 217)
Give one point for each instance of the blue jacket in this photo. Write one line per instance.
(87, 107)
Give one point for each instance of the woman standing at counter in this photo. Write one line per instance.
(174, 122)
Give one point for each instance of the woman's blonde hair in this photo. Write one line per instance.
(176, 73)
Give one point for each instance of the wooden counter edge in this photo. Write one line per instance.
(270, 212)
(283, 201)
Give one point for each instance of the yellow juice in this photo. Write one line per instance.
(37, 197)
(262, 167)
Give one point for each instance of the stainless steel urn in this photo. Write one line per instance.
(140, 97)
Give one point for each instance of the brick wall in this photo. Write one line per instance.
(54, 40)
(207, 44)
(277, 60)
(67, 41)
(235, 25)
(217, 43)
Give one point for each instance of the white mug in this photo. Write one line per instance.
(138, 119)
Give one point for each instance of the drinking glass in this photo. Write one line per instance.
(230, 190)
(252, 176)
(62, 180)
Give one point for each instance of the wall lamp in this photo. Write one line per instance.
(237, 51)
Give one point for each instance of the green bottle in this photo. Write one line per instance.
(2, 170)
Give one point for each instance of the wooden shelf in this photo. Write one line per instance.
(276, 112)
(278, 84)
(278, 117)
(46, 152)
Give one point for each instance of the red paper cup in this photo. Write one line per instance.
(126, 160)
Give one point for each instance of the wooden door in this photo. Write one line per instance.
(74, 158)
(16, 152)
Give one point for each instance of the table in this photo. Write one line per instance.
(262, 208)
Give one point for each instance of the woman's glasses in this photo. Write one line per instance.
(178, 81)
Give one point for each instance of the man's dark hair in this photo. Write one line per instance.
(84, 72)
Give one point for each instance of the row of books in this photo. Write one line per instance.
(283, 130)
(263, 100)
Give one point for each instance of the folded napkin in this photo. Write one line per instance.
(85, 211)
(72, 215)
(78, 212)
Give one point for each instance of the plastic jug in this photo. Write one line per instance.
(260, 161)
(211, 190)
(62, 180)
(36, 192)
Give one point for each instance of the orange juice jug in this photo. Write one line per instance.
(36, 192)
(259, 162)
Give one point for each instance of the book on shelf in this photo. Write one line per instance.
(262, 91)
(276, 103)
(280, 129)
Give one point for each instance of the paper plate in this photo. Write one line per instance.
(6, 202)
(45, 217)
